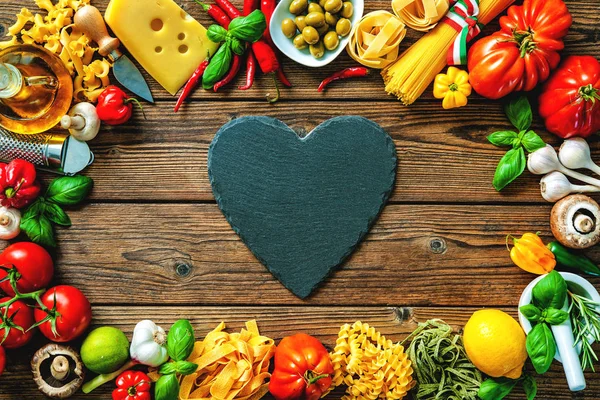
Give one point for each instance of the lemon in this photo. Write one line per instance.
(495, 343)
(105, 350)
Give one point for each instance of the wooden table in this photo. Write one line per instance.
(151, 242)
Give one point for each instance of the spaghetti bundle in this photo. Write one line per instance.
(416, 68)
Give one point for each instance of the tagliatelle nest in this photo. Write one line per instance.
(420, 15)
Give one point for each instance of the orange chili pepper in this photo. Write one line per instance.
(530, 254)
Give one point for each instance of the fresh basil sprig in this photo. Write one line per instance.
(218, 67)
(499, 388)
(180, 340)
(513, 163)
(541, 347)
(249, 28)
(167, 387)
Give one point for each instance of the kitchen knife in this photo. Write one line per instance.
(89, 20)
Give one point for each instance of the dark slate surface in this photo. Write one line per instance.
(301, 205)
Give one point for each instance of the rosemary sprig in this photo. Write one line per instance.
(585, 321)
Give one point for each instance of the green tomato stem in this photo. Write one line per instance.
(104, 378)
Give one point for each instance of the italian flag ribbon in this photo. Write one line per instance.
(462, 17)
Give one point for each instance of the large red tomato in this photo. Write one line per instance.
(71, 313)
(20, 314)
(33, 264)
(523, 52)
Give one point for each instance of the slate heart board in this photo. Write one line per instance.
(301, 205)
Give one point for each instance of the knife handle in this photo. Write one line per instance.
(89, 20)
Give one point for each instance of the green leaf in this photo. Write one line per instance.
(180, 340)
(39, 230)
(496, 388)
(531, 312)
(69, 190)
(185, 367)
(510, 167)
(237, 46)
(554, 316)
(519, 113)
(503, 138)
(167, 368)
(541, 347)
(529, 386)
(57, 215)
(35, 209)
(218, 67)
(532, 141)
(249, 28)
(551, 291)
(167, 388)
(216, 33)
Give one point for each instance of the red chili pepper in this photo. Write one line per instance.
(250, 70)
(229, 8)
(267, 7)
(250, 5)
(353, 72)
(191, 83)
(114, 106)
(233, 71)
(216, 13)
(266, 57)
(282, 78)
(18, 186)
(132, 385)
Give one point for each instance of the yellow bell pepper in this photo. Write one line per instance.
(530, 254)
(453, 87)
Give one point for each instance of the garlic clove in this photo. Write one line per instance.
(575, 154)
(10, 222)
(543, 161)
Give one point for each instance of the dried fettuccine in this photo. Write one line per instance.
(420, 15)
(230, 366)
(375, 39)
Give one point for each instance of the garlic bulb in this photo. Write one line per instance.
(10, 222)
(555, 185)
(545, 160)
(575, 154)
(148, 345)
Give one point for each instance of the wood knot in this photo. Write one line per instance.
(437, 245)
(402, 314)
(183, 269)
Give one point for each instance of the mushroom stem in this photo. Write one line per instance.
(60, 368)
(583, 223)
(74, 122)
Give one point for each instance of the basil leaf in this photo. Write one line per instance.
(529, 386)
(496, 388)
(216, 33)
(519, 113)
(69, 190)
(532, 141)
(502, 138)
(551, 291)
(237, 46)
(167, 368)
(34, 210)
(39, 230)
(57, 215)
(180, 340)
(185, 367)
(249, 28)
(554, 316)
(541, 347)
(166, 388)
(218, 67)
(531, 312)
(509, 168)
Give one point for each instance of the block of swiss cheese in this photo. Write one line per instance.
(163, 38)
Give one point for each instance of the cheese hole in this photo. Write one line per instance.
(181, 36)
(158, 49)
(183, 49)
(156, 24)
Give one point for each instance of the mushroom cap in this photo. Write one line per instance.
(92, 123)
(575, 221)
(41, 365)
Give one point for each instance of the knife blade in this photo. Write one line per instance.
(89, 20)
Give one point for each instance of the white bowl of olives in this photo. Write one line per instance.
(314, 32)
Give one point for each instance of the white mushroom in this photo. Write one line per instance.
(10, 221)
(82, 122)
(575, 221)
(57, 370)
(575, 154)
(545, 160)
(555, 185)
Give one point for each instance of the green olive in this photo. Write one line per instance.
(300, 23)
(322, 3)
(331, 40)
(310, 35)
(343, 27)
(347, 10)
(298, 6)
(323, 29)
(331, 19)
(333, 6)
(317, 50)
(299, 42)
(315, 19)
(315, 7)
(288, 27)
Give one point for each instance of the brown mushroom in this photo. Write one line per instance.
(57, 370)
(575, 221)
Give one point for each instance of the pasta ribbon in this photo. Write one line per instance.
(375, 39)
(420, 15)
(370, 365)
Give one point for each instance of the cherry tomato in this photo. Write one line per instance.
(23, 317)
(33, 263)
(2, 359)
(71, 312)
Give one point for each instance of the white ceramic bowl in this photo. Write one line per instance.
(303, 56)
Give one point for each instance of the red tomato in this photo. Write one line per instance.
(570, 101)
(2, 359)
(33, 263)
(523, 52)
(23, 317)
(71, 311)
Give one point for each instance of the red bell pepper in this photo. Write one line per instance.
(18, 186)
(132, 385)
(570, 101)
(303, 369)
(114, 106)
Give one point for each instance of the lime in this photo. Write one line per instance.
(105, 350)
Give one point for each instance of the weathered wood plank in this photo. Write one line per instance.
(275, 322)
